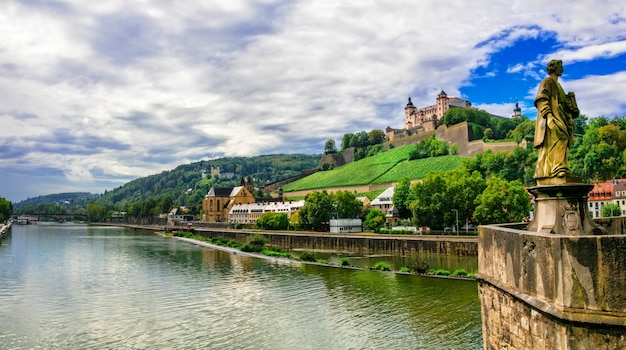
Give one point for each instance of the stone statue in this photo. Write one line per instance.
(554, 131)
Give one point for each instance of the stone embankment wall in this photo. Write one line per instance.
(359, 243)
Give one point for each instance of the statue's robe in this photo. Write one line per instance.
(554, 131)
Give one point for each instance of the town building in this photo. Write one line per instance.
(346, 225)
(218, 202)
(249, 213)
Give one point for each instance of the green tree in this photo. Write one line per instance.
(330, 147)
(6, 209)
(439, 193)
(375, 220)
(611, 209)
(376, 137)
(345, 141)
(166, 204)
(272, 221)
(346, 205)
(501, 202)
(402, 197)
(317, 210)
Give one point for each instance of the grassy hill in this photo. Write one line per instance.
(389, 166)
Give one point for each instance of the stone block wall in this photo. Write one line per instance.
(550, 291)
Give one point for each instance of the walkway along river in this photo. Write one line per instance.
(91, 287)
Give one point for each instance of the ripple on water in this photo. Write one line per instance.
(142, 291)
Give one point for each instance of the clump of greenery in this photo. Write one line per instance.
(308, 256)
(271, 252)
(322, 261)
(421, 268)
(272, 221)
(255, 243)
(344, 262)
(382, 266)
(460, 272)
(405, 269)
(441, 272)
(395, 232)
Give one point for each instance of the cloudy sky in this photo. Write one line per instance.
(96, 93)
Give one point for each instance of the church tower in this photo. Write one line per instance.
(517, 112)
(443, 104)
(410, 115)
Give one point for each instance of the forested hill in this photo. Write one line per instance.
(65, 200)
(185, 185)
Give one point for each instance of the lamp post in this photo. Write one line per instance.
(456, 223)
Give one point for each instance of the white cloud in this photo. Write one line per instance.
(160, 83)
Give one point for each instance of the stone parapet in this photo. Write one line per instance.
(567, 291)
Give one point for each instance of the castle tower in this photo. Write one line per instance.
(410, 120)
(517, 112)
(443, 104)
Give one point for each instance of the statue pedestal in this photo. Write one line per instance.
(562, 209)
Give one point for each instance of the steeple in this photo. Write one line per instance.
(517, 112)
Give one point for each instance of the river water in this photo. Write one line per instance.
(65, 286)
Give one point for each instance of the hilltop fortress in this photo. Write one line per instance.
(421, 123)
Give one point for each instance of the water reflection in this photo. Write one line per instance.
(77, 287)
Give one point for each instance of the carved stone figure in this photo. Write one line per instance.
(554, 131)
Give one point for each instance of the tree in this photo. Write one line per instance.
(375, 220)
(501, 202)
(329, 147)
(346, 205)
(345, 141)
(611, 209)
(402, 197)
(166, 204)
(6, 209)
(272, 221)
(376, 137)
(439, 193)
(316, 210)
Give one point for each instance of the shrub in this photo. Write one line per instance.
(308, 256)
(270, 252)
(421, 268)
(405, 269)
(257, 239)
(382, 266)
(322, 261)
(441, 272)
(460, 272)
(344, 262)
(251, 248)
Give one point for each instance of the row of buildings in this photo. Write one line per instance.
(238, 205)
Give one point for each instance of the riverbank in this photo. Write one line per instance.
(4, 229)
(294, 261)
(362, 243)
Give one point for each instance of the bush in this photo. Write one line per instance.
(270, 252)
(460, 272)
(308, 256)
(441, 272)
(382, 266)
(251, 248)
(405, 269)
(421, 268)
(344, 262)
(256, 239)
(322, 261)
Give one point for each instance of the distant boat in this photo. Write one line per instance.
(23, 220)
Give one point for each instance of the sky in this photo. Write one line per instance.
(94, 94)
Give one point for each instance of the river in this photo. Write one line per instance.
(65, 286)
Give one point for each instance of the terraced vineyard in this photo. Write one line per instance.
(386, 167)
